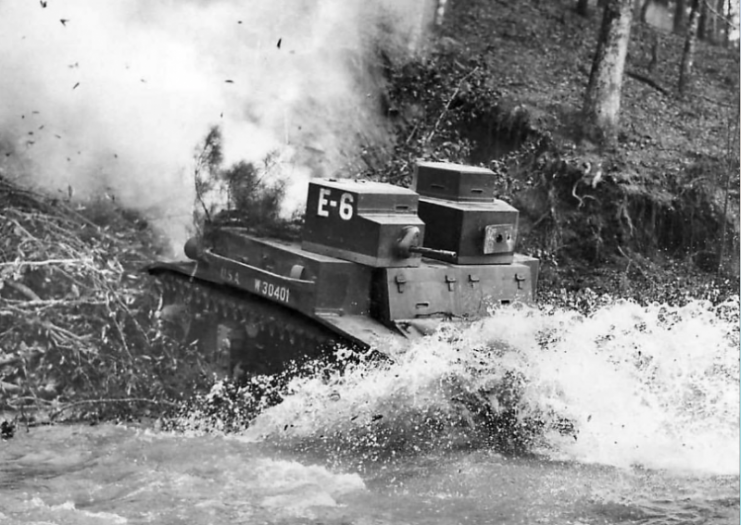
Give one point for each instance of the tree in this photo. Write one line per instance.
(602, 100)
(731, 167)
(637, 7)
(703, 24)
(644, 11)
(680, 16)
(715, 19)
(655, 51)
(688, 54)
(582, 7)
(728, 24)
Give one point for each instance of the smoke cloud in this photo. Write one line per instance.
(117, 95)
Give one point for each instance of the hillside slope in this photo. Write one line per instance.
(503, 86)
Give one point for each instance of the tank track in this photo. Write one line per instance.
(244, 333)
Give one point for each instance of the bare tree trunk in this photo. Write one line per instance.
(680, 15)
(702, 27)
(644, 10)
(638, 7)
(602, 100)
(654, 53)
(727, 34)
(715, 19)
(730, 161)
(582, 8)
(688, 55)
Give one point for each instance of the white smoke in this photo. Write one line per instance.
(117, 95)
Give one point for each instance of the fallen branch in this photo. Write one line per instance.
(11, 359)
(713, 101)
(61, 409)
(637, 76)
(648, 80)
(45, 263)
(447, 106)
(9, 388)
(56, 302)
(631, 262)
(25, 290)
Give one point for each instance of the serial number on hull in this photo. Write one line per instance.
(279, 293)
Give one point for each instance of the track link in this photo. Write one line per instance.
(243, 333)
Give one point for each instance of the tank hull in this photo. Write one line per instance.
(271, 303)
(248, 334)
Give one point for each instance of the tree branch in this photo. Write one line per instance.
(450, 101)
(648, 80)
(25, 290)
(44, 263)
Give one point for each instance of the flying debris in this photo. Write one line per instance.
(279, 41)
(58, 136)
(239, 21)
(72, 66)
(41, 127)
(229, 81)
(7, 429)
(75, 86)
(64, 21)
(35, 112)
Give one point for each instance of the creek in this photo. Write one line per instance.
(652, 392)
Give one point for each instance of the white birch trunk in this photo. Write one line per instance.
(602, 100)
(688, 55)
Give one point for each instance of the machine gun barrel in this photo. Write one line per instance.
(431, 251)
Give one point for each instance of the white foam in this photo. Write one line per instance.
(655, 386)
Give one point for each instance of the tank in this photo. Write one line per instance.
(375, 262)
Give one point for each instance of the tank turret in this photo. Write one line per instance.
(362, 221)
(375, 262)
(458, 206)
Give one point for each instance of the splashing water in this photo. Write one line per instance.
(655, 386)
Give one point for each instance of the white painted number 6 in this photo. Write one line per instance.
(346, 209)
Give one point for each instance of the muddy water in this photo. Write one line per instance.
(653, 393)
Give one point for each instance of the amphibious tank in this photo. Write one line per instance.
(375, 262)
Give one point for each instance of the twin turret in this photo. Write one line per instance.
(451, 215)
